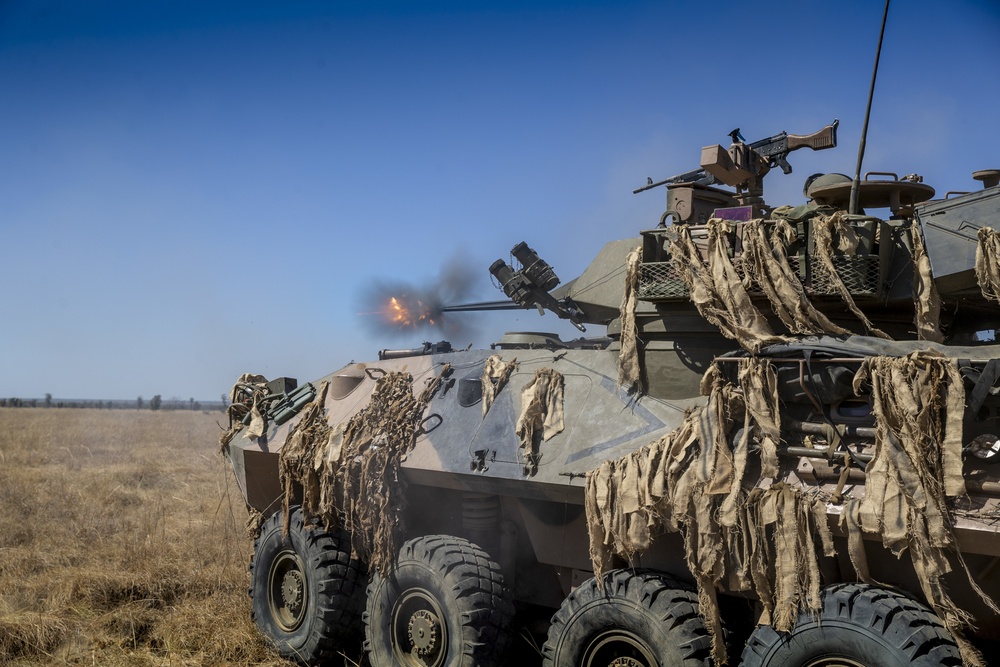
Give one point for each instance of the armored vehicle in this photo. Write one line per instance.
(781, 450)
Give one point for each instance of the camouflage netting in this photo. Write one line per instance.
(825, 228)
(919, 403)
(254, 523)
(349, 473)
(765, 259)
(988, 263)
(763, 535)
(496, 372)
(720, 293)
(541, 415)
(716, 290)
(300, 457)
(692, 482)
(245, 398)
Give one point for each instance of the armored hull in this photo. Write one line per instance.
(746, 486)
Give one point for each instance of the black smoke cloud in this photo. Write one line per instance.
(399, 309)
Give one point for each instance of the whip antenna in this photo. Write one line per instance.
(868, 110)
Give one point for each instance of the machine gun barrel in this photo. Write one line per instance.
(441, 347)
(699, 176)
(481, 305)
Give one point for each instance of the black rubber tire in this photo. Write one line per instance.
(870, 626)
(327, 582)
(458, 587)
(641, 617)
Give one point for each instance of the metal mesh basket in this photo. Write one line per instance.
(660, 280)
(859, 274)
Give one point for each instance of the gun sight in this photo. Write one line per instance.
(530, 285)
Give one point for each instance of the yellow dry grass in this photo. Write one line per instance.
(121, 542)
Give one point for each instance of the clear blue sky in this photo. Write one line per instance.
(190, 190)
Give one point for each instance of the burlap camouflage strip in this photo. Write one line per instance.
(496, 372)
(988, 263)
(691, 481)
(296, 460)
(926, 299)
(919, 403)
(629, 367)
(541, 415)
(826, 228)
(349, 473)
(717, 290)
(734, 529)
(720, 294)
(765, 259)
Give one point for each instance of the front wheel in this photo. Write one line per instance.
(305, 589)
(858, 626)
(639, 619)
(443, 605)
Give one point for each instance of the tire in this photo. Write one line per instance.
(641, 618)
(444, 605)
(306, 590)
(858, 625)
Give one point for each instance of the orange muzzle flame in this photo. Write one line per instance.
(406, 314)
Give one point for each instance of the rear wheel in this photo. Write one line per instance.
(443, 605)
(859, 626)
(639, 619)
(306, 590)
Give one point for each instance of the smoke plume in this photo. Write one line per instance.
(399, 309)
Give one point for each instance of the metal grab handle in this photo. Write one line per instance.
(424, 429)
(666, 214)
(895, 177)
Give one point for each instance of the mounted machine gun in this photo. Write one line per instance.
(690, 197)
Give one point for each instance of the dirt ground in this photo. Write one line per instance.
(121, 541)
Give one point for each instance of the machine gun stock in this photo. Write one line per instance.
(699, 176)
(776, 149)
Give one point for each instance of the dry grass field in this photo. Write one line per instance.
(121, 542)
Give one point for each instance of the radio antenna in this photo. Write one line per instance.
(855, 185)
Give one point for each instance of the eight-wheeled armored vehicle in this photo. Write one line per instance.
(782, 450)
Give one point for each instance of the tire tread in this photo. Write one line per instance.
(913, 629)
(339, 580)
(668, 599)
(477, 584)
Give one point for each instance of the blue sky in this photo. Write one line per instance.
(192, 190)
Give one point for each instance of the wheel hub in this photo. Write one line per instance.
(618, 647)
(423, 631)
(291, 591)
(419, 629)
(625, 662)
(287, 596)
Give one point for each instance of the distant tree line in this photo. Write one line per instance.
(157, 402)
